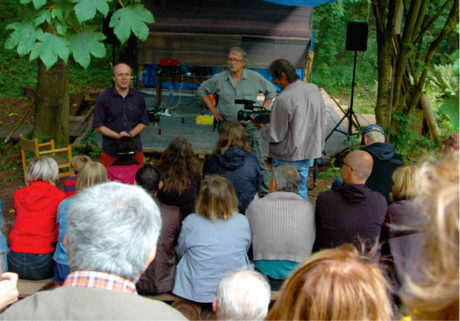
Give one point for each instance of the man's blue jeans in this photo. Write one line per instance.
(302, 167)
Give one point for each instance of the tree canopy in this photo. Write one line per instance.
(57, 29)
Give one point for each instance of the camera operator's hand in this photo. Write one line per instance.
(259, 125)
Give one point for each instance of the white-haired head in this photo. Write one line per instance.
(44, 168)
(242, 295)
(112, 228)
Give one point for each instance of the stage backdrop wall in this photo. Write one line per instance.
(199, 33)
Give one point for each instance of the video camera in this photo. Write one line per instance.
(252, 108)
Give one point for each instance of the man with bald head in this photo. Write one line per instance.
(350, 213)
(120, 111)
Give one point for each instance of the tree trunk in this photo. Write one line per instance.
(385, 28)
(430, 118)
(52, 103)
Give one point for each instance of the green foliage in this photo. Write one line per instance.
(443, 84)
(87, 43)
(17, 72)
(90, 146)
(444, 79)
(55, 29)
(131, 19)
(48, 48)
(331, 172)
(11, 164)
(450, 108)
(333, 65)
(87, 9)
(410, 145)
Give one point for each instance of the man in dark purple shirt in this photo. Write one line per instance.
(120, 111)
(350, 213)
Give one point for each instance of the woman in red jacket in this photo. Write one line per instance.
(34, 234)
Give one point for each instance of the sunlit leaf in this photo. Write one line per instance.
(49, 48)
(43, 15)
(86, 9)
(131, 19)
(450, 108)
(24, 37)
(85, 44)
(39, 3)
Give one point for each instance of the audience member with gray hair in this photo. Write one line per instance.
(282, 226)
(286, 178)
(350, 213)
(111, 236)
(242, 295)
(34, 234)
(385, 160)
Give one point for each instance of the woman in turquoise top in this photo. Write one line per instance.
(93, 173)
(213, 241)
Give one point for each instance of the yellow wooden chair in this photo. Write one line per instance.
(63, 156)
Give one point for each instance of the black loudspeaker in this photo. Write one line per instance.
(357, 36)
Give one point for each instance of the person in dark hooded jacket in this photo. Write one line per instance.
(350, 213)
(233, 160)
(386, 160)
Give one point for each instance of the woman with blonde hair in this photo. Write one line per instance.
(212, 241)
(232, 159)
(334, 284)
(93, 173)
(404, 239)
(181, 175)
(434, 295)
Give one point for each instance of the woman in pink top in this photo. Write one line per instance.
(124, 169)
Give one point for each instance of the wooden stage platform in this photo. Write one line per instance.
(184, 108)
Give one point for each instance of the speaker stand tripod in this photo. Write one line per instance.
(350, 114)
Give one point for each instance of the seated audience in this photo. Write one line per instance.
(3, 244)
(212, 242)
(434, 296)
(159, 276)
(386, 160)
(34, 233)
(8, 289)
(111, 235)
(334, 284)
(405, 241)
(93, 173)
(124, 168)
(232, 159)
(76, 165)
(282, 226)
(350, 213)
(181, 175)
(242, 295)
